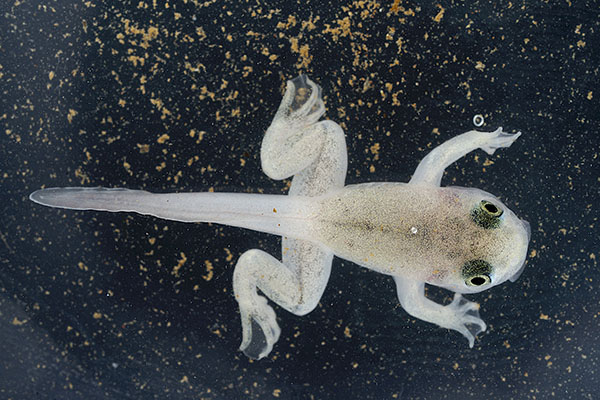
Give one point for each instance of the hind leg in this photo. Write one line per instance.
(313, 152)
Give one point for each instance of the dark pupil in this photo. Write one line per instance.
(477, 281)
(492, 209)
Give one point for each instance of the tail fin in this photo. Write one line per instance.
(276, 214)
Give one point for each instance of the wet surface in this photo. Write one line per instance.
(176, 97)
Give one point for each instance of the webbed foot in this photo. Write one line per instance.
(498, 139)
(464, 317)
(301, 105)
(260, 330)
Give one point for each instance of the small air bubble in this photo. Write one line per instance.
(478, 120)
(414, 230)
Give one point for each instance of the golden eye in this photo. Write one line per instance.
(478, 280)
(490, 208)
(487, 215)
(477, 273)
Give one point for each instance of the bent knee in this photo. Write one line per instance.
(304, 308)
(249, 256)
(275, 170)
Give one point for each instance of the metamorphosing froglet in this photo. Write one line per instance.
(464, 240)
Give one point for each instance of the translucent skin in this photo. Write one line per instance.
(420, 232)
(417, 232)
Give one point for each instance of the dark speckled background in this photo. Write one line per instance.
(91, 304)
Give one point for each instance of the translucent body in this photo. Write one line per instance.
(461, 239)
(420, 232)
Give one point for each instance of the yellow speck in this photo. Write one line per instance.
(152, 33)
(440, 14)
(180, 264)
(209, 271)
(479, 66)
(399, 44)
(158, 103)
(200, 134)
(200, 32)
(51, 75)
(347, 332)
(82, 176)
(71, 114)
(229, 255)
(533, 253)
(544, 317)
(136, 59)
(375, 148)
(589, 95)
(161, 166)
(276, 392)
(163, 138)
(97, 315)
(18, 322)
(274, 210)
(305, 58)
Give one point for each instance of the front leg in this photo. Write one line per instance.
(461, 315)
(431, 168)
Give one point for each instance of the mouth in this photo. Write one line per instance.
(527, 229)
(517, 274)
